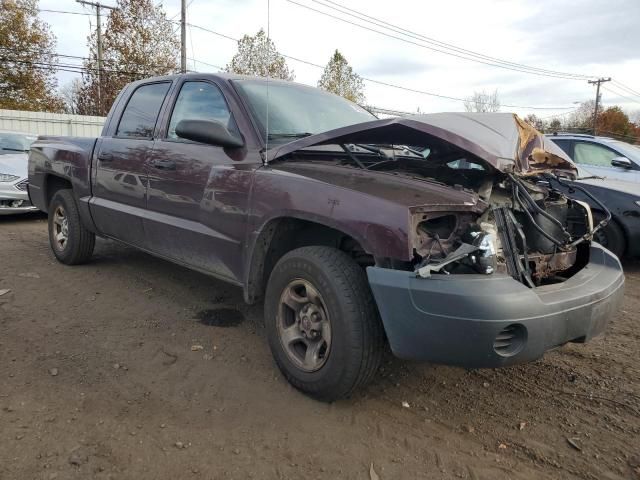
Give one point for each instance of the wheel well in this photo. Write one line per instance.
(53, 184)
(283, 235)
(618, 224)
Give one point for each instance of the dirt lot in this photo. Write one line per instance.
(102, 377)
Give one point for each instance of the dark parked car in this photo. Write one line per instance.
(602, 156)
(434, 232)
(610, 170)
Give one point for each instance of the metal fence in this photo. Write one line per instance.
(44, 123)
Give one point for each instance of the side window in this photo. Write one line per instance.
(588, 153)
(140, 114)
(200, 101)
(565, 145)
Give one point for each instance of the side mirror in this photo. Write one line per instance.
(621, 162)
(208, 131)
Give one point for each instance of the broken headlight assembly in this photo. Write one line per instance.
(529, 231)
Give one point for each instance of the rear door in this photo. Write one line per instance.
(120, 183)
(198, 194)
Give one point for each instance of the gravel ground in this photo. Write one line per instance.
(133, 368)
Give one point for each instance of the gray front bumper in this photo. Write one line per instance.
(461, 319)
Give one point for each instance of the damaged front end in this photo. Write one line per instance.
(528, 230)
(517, 223)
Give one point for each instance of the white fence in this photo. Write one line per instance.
(44, 123)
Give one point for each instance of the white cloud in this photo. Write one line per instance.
(591, 37)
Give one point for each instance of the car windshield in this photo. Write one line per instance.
(296, 110)
(632, 152)
(11, 142)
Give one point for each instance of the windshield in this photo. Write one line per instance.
(11, 142)
(632, 152)
(296, 110)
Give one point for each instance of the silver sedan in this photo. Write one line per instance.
(14, 155)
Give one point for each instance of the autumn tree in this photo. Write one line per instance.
(258, 56)
(339, 78)
(27, 59)
(614, 122)
(482, 102)
(138, 42)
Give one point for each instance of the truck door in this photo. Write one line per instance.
(119, 195)
(197, 193)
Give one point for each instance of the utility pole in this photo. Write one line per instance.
(595, 112)
(98, 6)
(183, 36)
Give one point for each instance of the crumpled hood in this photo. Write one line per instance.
(15, 164)
(503, 140)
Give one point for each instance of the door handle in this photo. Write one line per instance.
(164, 164)
(105, 157)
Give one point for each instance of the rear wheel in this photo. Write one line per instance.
(323, 326)
(611, 237)
(70, 241)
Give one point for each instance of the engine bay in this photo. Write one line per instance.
(527, 229)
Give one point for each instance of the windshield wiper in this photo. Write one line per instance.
(14, 149)
(289, 135)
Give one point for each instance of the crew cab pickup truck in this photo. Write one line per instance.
(438, 235)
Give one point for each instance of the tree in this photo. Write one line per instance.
(70, 95)
(555, 125)
(258, 56)
(581, 120)
(483, 102)
(339, 78)
(537, 123)
(138, 42)
(27, 59)
(614, 122)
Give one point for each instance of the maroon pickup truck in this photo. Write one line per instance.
(439, 235)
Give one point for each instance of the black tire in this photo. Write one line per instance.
(357, 336)
(79, 243)
(611, 237)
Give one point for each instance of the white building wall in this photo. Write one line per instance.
(44, 123)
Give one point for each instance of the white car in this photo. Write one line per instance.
(14, 156)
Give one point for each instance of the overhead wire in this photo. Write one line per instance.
(563, 76)
(412, 34)
(465, 54)
(386, 84)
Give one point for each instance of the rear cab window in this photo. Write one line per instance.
(141, 113)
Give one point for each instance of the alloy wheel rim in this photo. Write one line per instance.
(60, 228)
(304, 327)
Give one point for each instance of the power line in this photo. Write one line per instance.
(422, 45)
(386, 84)
(621, 95)
(627, 89)
(205, 63)
(597, 82)
(560, 114)
(403, 31)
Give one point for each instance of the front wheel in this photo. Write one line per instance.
(611, 236)
(322, 322)
(70, 241)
